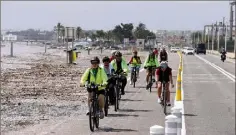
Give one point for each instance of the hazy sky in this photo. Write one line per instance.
(105, 15)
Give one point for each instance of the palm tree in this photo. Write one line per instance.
(58, 27)
(78, 32)
(63, 33)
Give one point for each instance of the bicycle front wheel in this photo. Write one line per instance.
(91, 118)
(164, 102)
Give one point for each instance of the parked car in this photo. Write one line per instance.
(174, 49)
(189, 51)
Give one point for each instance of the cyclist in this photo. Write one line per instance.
(151, 61)
(164, 73)
(135, 61)
(120, 66)
(98, 76)
(163, 55)
(109, 69)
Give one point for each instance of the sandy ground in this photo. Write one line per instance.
(37, 87)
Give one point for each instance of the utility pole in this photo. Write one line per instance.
(231, 20)
(235, 27)
(212, 40)
(226, 34)
(208, 40)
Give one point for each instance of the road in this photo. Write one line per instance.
(209, 96)
(139, 111)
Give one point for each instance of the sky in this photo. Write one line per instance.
(171, 15)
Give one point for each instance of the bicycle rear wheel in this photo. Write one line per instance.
(116, 99)
(91, 118)
(106, 105)
(134, 79)
(164, 102)
(150, 84)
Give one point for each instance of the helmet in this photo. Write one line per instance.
(106, 59)
(95, 59)
(164, 64)
(117, 53)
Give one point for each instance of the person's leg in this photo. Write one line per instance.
(111, 93)
(159, 90)
(101, 102)
(137, 71)
(124, 82)
(89, 101)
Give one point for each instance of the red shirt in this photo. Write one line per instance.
(112, 58)
(155, 52)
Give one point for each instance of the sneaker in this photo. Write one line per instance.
(131, 83)
(168, 103)
(159, 100)
(101, 115)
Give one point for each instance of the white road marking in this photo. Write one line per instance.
(230, 76)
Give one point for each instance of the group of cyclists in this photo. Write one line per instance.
(102, 74)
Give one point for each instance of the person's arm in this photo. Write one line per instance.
(156, 62)
(84, 77)
(130, 60)
(125, 67)
(104, 77)
(171, 78)
(146, 61)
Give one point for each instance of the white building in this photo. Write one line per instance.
(9, 37)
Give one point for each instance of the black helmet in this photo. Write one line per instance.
(119, 54)
(106, 59)
(95, 59)
(135, 51)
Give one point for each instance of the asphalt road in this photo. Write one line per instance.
(209, 96)
(139, 111)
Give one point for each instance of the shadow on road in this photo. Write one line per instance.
(132, 110)
(190, 115)
(130, 100)
(140, 87)
(132, 91)
(116, 130)
(121, 115)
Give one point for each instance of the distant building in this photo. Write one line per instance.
(9, 37)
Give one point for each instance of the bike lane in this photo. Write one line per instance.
(139, 111)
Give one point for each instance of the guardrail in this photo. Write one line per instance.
(173, 122)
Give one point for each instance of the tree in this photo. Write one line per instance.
(58, 29)
(108, 35)
(100, 34)
(63, 33)
(78, 32)
(93, 37)
(86, 35)
(123, 31)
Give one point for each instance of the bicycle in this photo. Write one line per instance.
(163, 97)
(134, 74)
(151, 80)
(94, 107)
(117, 90)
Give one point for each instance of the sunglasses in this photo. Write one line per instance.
(94, 62)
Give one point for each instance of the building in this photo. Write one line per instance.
(9, 37)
